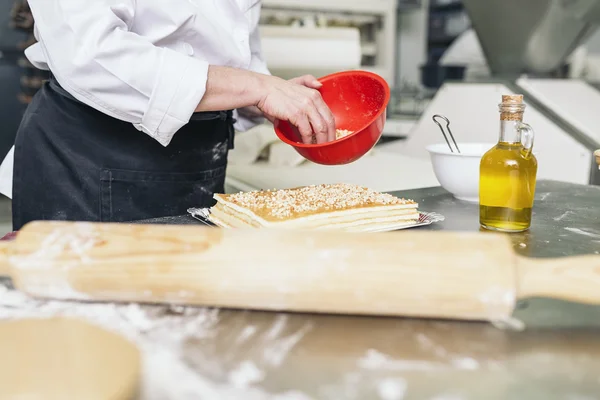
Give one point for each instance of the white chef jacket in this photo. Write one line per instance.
(142, 61)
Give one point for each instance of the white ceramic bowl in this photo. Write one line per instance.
(458, 173)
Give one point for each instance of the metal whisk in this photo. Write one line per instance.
(444, 133)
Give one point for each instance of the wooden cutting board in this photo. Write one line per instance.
(472, 276)
(59, 358)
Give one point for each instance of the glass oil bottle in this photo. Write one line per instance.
(508, 172)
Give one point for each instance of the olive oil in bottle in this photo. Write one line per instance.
(508, 173)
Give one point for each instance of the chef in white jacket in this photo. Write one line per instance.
(138, 117)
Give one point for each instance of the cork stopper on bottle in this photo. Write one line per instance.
(512, 98)
(512, 107)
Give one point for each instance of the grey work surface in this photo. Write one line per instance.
(343, 357)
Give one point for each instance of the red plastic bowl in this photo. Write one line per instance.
(358, 101)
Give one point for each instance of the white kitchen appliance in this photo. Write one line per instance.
(309, 34)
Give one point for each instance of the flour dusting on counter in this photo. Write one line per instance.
(160, 332)
(392, 389)
(563, 216)
(246, 374)
(278, 350)
(374, 360)
(584, 233)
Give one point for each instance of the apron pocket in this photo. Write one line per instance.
(136, 195)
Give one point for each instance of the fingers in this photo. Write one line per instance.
(304, 127)
(319, 126)
(327, 118)
(302, 106)
(317, 122)
(308, 81)
(314, 110)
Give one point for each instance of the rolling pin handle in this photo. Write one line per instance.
(574, 279)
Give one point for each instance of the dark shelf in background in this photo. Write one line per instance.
(409, 4)
(441, 41)
(439, 36)
(447, 7)
(10, 55)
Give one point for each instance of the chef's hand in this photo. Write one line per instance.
(299, 102)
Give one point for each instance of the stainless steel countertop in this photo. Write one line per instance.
(557, 356)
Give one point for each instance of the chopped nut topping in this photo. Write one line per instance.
(340, 133)
(313, 199)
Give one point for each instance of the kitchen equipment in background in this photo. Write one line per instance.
(434, 75)
(358, 101)
(296, 51)
(597, 155)
(445, 3)
(447, 20)
(435, 119)
(406, 273)
(458, 173)
(409, 101)
(569, 131)
(380, 170)
(531, 36)
(374, 21)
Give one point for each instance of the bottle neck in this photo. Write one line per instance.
(509, 132)
(511, 116)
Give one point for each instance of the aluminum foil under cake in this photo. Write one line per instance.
(425, 218)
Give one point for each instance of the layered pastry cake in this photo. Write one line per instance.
(337, 206)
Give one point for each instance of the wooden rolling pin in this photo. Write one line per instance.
(472, 276)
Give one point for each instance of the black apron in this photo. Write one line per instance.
(75, 163)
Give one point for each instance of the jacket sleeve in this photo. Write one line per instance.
(94, 55)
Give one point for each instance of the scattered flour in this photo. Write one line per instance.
(275, 353)
(246, 374)
(160, 333)
(563, 216)
(246, 333)
(377, 361)
(391, 389)
(465, 363)
(584, 233)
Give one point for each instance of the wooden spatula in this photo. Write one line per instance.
(63, 358)
(473, 276)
